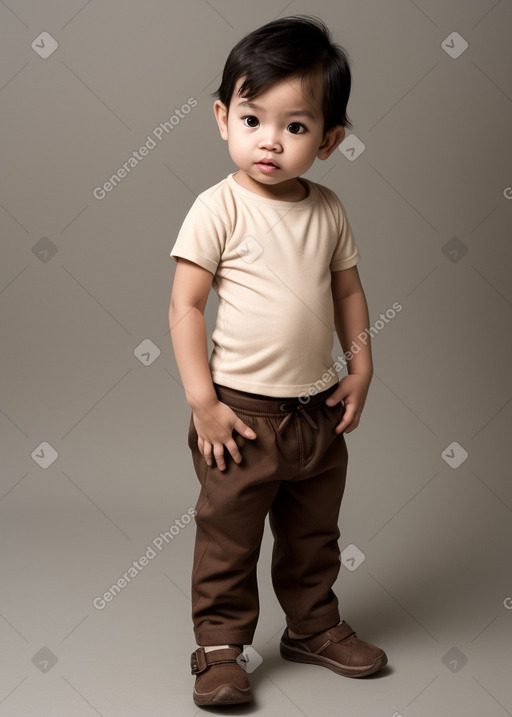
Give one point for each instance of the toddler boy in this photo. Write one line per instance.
(279, 251)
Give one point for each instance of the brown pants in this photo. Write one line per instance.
(294, 470)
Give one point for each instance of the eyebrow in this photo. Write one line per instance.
(294, 113)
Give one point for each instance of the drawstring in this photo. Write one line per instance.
(296, 412)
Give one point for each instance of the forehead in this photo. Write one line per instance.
(294, 91)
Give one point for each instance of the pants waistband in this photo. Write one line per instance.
(270, 405)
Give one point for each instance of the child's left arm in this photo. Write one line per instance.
(351, 318)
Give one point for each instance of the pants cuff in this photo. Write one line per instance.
(318, 624)
(223, 636)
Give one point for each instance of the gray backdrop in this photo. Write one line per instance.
(96, 472)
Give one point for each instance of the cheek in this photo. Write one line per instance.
(236, 144)
(307, 146)
(237, 136)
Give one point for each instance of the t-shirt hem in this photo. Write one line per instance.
(203, 261)
(346, 264)
(276, 390)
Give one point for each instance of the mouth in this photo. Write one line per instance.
(266, 166)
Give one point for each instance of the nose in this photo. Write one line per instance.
(270, 141)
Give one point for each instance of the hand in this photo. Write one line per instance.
(352, 392)
(215, 424)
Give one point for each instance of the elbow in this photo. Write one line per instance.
(172, 312)
(178, 311)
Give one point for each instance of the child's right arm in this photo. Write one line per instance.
(214, 420)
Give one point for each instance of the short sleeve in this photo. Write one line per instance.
(203, 234)
(346, 253)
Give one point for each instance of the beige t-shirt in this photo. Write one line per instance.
(272, 264)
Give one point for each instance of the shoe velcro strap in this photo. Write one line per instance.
(200, 660)
(340, 632)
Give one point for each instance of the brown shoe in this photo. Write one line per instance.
(220, 680)
(339, 649)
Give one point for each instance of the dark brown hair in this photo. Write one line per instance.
(290, 46)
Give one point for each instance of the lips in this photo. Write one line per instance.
(268, 162)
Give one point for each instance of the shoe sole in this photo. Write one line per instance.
(223, 695)
(294, 655)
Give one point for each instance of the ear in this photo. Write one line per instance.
(332, 139)
(221, 115)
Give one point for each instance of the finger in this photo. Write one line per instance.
(346, 421)
(207, 452)
(335, 397)
(352, 426)
(218, 452)
(234, 451)
(243, 429)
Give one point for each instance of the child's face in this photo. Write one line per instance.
(281, 125)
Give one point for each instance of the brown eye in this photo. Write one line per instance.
(296, 128)
(250, 121)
